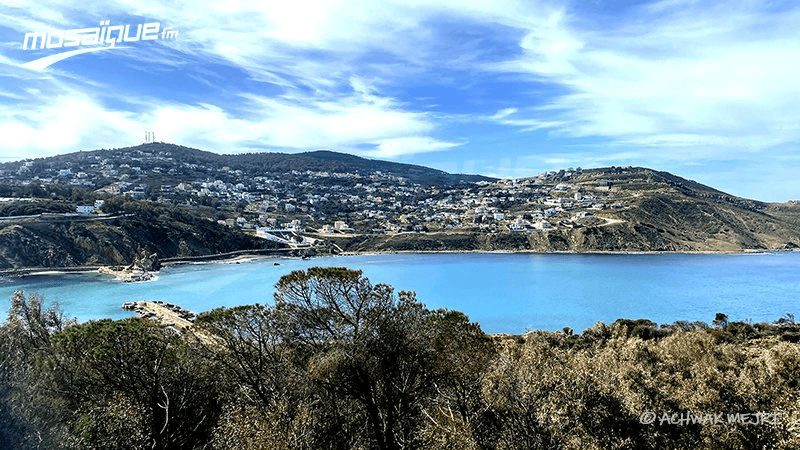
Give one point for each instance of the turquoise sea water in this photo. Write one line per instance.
(502, 292)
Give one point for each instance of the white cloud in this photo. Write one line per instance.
(346, 122)
(68, 122)
(504, 117)
(401, 146)
(688, 75)
(503, 113)
(73, 120)
(329, 100)
(347, 125)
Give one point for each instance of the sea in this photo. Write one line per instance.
(502, 292)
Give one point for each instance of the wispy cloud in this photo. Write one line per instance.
(671, 75)
(401, 146)
(312, 53)
(508, 116)
(360, 123)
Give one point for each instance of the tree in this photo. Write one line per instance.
(332, 304)
(32, 324)
(371, 346)
(457, 415)
(265, 379)
(132, 384)
(26, 418)
(341, 363)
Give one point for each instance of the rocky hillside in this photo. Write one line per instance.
(62, 241)
(663, 212)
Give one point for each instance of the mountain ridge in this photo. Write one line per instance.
(267, 162)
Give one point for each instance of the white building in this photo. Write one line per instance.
(516, 227)
(583, 215)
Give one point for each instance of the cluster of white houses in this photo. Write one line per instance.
(333, 203)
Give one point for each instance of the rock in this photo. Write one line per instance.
(145, 261)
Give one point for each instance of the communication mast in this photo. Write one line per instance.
(149, 137)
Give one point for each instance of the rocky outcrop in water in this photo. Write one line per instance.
(145, 261)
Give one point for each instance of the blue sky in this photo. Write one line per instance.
(706, 90)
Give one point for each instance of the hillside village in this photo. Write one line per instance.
(327, 202)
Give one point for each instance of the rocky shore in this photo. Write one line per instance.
(126, 275)
(142, 268)
(166, 313)
(172, 316)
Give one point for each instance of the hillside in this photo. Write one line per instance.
(57, 241)
(193, 162)
(360, 205)
(664, 212)
(645, 210)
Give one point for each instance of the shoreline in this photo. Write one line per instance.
(566, 252)
(22, 272)
(234, 260)
(245, 256)
(128, 275)
(114, 270)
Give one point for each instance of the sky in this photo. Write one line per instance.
(706, 90)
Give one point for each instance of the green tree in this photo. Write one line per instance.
(371, 346)
(111, 374)
(265, 378)
(341, 363)
(26, 417)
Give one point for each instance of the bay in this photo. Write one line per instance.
(503, 292)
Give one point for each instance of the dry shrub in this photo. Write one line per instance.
(544, 395)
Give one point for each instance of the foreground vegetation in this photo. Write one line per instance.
(340, 363)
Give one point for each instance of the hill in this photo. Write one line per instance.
(643, 210)
(664, 212)
(360, 205)
(199, 162)
(61, 241)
